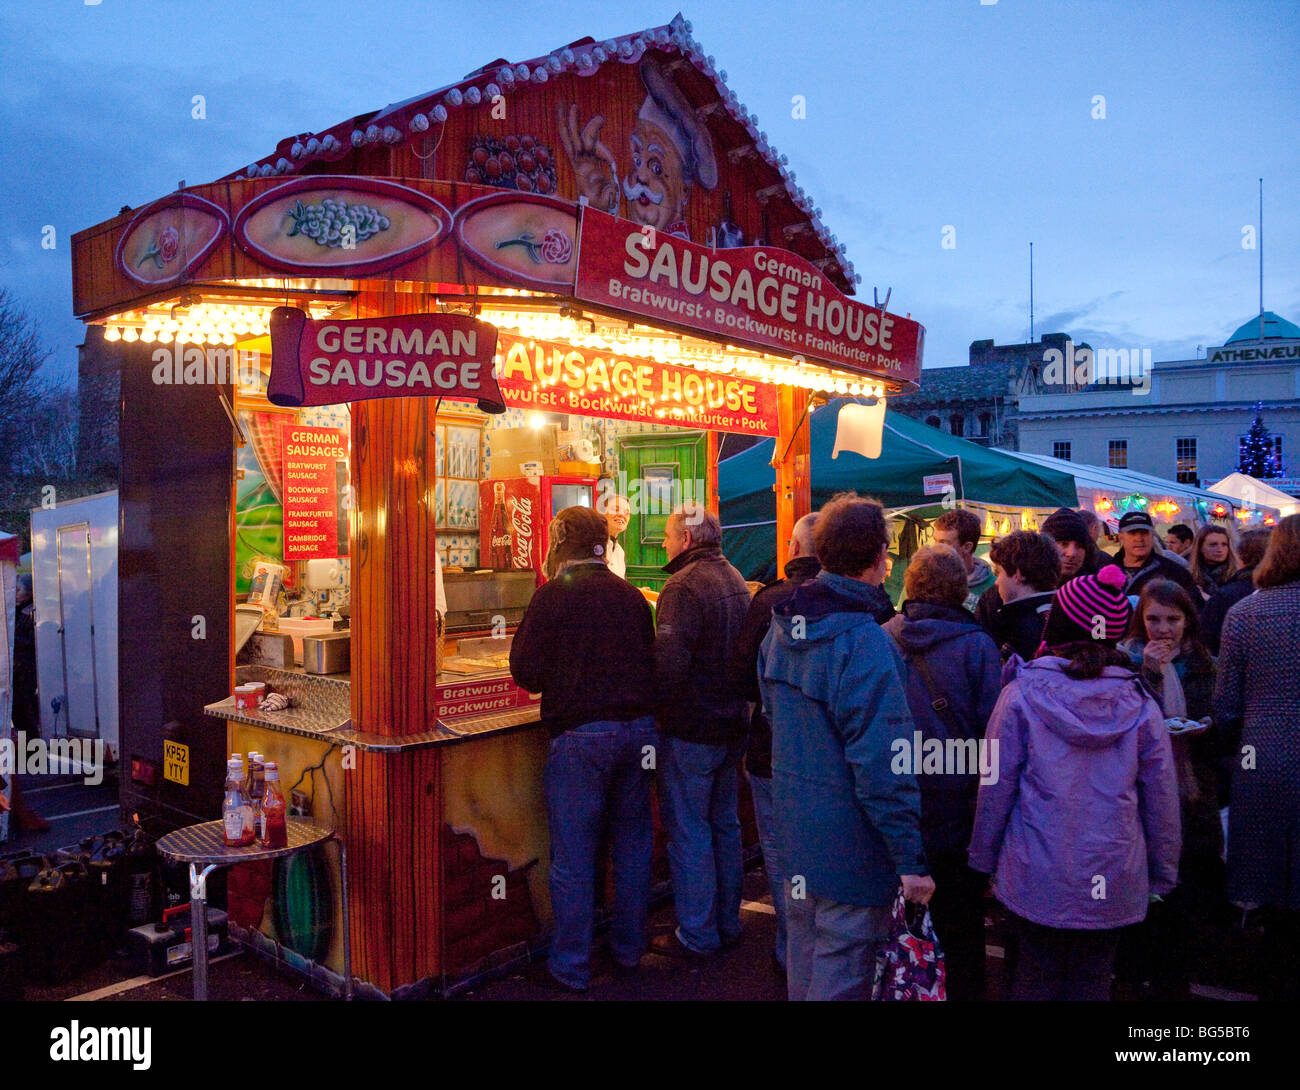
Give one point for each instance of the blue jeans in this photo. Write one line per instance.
(761, 789)
(699, 793)
(595, 779)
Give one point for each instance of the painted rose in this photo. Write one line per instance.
(169, 243)
(556, 247)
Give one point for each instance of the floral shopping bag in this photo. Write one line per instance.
(909, 965)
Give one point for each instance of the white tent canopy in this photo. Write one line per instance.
(1167, 501)
(1255, 493)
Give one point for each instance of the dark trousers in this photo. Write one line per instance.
(957, 909)
(1055, 963)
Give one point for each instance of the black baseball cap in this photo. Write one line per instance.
(1136, 520)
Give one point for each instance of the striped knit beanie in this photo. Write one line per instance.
(1088, 605)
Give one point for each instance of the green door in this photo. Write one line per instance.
(657, 471)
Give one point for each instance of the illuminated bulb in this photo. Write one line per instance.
(130, 335)
(112, 333)
(227, 338)
(147, 335)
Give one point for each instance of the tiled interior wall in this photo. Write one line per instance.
(463, 549)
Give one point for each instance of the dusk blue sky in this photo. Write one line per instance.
(919, 115)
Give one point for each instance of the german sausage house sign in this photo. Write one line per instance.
(757, 296)
(329, 362)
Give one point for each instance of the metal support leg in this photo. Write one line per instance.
(199, 930)
(347, 922)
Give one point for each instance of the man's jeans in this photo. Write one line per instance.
(596, 778)
(761, 789)
(699, 792)
(832, 947)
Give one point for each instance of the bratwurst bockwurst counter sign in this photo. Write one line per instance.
(424, 355)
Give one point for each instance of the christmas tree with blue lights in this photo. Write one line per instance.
(1259, 457)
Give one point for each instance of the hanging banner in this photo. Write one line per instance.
(762, 297)
(310, 457)
(563, 378)
(421, 355)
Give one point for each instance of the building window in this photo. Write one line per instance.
(933, 422)
(957, 424)
(1117, 451)
(986, 423)
(1061, 449)
(1185, 452)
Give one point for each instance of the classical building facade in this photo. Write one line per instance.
(979, 401)
(1184, 420)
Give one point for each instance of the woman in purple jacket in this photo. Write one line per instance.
(1081, 828)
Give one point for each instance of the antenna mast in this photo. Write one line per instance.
(1031, 292)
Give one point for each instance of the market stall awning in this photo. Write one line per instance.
(917, 467)
(1256, 493)
(1112, 491)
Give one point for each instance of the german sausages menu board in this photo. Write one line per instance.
(311, 492)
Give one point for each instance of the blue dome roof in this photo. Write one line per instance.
(1275, 328)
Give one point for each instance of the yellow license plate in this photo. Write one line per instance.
(176, 763)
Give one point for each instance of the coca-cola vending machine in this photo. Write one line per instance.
(515, 512)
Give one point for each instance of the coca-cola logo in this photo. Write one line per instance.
(521, 522)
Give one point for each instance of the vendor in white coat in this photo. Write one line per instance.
(617, 513)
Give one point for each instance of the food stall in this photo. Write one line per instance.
(412, 337)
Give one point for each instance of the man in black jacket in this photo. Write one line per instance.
(701, 732)
(800, 566)
(586, 643)
(1141, 563)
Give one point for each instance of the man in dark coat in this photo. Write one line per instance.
(1140, 562)
(801, 565)
(1079, 552)
(701, 733)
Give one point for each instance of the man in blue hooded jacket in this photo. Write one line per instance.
(848, 827)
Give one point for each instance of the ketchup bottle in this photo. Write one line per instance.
(272, 830)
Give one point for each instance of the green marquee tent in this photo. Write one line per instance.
(910, 452)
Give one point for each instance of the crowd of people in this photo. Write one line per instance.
(1107, 743)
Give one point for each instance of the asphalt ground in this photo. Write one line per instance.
(1227, 968)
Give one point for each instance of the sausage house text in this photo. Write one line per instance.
(403, 366)
(552, 365)
(700, 274)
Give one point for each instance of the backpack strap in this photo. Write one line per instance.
(941, 704)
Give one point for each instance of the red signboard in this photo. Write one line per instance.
(482, 697)
(510, 522)
(563, 378)
(310, 457)
(424, 355)
(762, 297)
